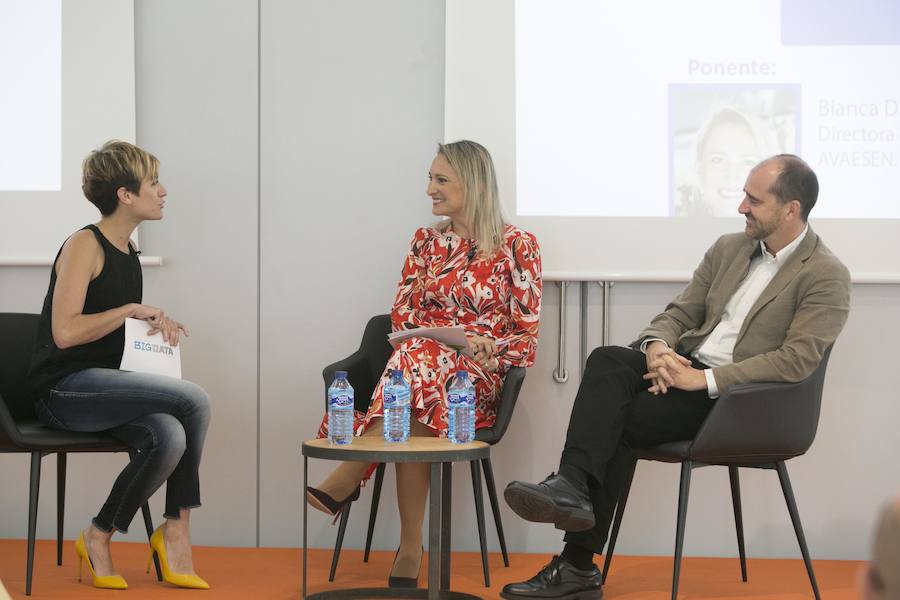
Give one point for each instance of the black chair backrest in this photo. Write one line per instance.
(763, 422)
(512, 384)
(378, 349)
(18, 333)
(375, 351)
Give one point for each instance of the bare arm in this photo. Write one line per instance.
(80, 261)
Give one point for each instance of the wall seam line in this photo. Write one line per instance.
(258, 264)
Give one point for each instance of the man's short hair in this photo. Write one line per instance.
(796, 181)
(115, 165)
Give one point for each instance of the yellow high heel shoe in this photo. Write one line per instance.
(109, 582)
(158, 547)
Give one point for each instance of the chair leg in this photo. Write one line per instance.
(373, 511)
(445, 529)
(148, 525)
(617, 522)
(738, 517)
(495, 506)
(798, 527)
(60, 503)
(339, 542)
(33, 493)
(479, 519)
(683, 492)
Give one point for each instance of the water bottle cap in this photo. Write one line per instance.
(462, 373)
(340, 374)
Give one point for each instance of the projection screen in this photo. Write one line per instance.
(67, 75)
(623, 132)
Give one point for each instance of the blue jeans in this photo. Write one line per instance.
(164, 420)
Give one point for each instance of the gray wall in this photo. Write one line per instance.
(197, 110)
(351, 112)
(296, 164)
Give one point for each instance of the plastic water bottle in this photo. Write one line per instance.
(461, 407)
(340, 410)
(396, 408)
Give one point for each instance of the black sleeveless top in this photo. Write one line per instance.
(119, 283)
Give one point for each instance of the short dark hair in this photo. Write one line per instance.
(115, 165)
(796, 181)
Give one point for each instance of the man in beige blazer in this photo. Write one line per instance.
(763, 305)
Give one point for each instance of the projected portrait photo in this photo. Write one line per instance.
(717, 133)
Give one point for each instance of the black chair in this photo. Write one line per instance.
(20, 431)
(756, 425)
(364, 368)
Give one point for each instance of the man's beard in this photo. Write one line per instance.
(760, 231)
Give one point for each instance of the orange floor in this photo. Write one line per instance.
(275, 573)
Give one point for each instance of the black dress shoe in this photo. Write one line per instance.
(559, 580)
(555, 500)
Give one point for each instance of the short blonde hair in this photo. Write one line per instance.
(115, 165)
(475, 168)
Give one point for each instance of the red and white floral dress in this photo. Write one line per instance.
(445, 283)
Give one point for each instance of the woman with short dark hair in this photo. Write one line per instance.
(95, 284)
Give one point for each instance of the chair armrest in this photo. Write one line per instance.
(512, 384)
(760, 423)
(360, 375)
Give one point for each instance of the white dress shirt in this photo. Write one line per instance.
(718, 347)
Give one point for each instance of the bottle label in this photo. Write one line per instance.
(341, 400)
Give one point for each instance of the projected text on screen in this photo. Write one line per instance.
(656, 108)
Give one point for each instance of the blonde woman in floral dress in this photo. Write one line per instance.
(470, 269)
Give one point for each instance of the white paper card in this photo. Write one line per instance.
(149, 353)
(454, 337)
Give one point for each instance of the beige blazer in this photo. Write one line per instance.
(787, 330)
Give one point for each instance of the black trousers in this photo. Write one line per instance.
(613, 413)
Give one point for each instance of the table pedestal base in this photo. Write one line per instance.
(389, 593)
